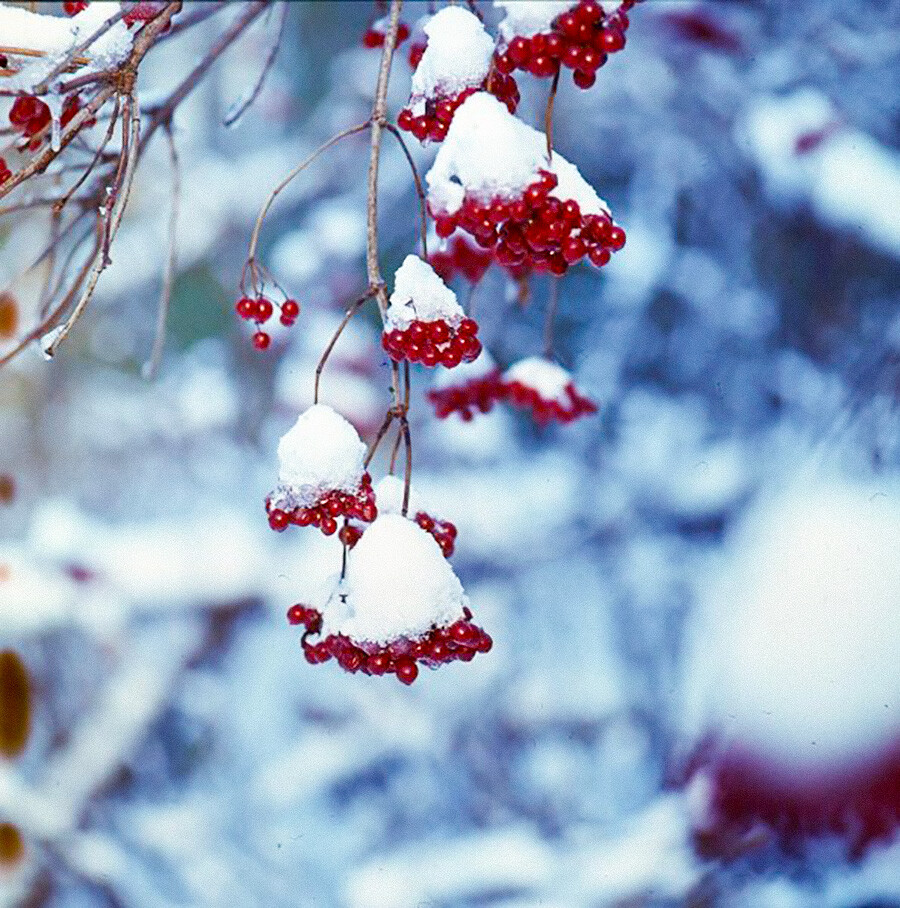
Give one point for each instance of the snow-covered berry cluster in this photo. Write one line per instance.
(460, 257)
(531, 213)
(455, 63)
(546, 389)
(473, 387)
(321, 475)
(399, 606)
(539, 38)
(260, 309)
(424, 322)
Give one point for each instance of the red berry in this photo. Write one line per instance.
(519, 50)
(583, 79)
(407, 671)
(615, 237)
(245, 307)
(278, 520)
(261, 340)
(372, 38)
(264, 309)
(290, 309)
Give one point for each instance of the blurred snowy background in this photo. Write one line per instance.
(698, 585)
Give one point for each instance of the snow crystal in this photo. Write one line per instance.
(489, 152)
(419, 294)
(465, 372)
(547, 378)
(529, 17)
(457, 56)
(389, 497)
(398, 584)
(322, 451)
(798, 655)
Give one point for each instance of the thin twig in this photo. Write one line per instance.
(420, 191)
(188, 20)
(548, 114)
(151, 367)
(407, 476)
(236, 114)
(351, 311)
(388, 419)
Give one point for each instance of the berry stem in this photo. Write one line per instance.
(420, 190)
(351, 311)
(548, 115)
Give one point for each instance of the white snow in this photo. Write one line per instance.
(389, 497)
(457, 56)
(464, 373)
(525, 18)
(849, 179)
(57, 35)
(797, 655)
(398, 584)
(489, 152)
(549, 379)
(320, 452)
(419, 294)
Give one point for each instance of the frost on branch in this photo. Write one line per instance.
(473, 386)
(455, 63)
(546, 389)
(492, 178)
(424, 322)
(399, 604)
(321, 474)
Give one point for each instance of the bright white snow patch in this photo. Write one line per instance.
(457, 56)
(797, 655)
(848, 178)
(530, 17)
(549, 379)
(398, 584)
(389, 497)
(321, 452)
(489, 152)
(465, 372)
(420, 295)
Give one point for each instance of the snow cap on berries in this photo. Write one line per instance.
(526, 18)
(549, 379)
(321, 452)
(457, 56)
(398, 585)
(420, 295)
(490, 153)
(389, 496)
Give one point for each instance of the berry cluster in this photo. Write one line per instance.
(260, 310)
(476, 394)
(326, 510)
(442, 531)
(30, 116)
(5, 172)
(374, 35)
(535, 229)
(461, 640)
(74, 7)
(433, 343)
(435, 121)
(461, 258)
(545, 411)
(580, 39)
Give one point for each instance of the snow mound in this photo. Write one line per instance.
(398, 584)
(797, 655)
(420, 295)
(389, 497)
(489, 152)
(321, 452)
(549, 379)
(457, 56)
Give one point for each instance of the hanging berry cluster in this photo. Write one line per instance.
(259, 310)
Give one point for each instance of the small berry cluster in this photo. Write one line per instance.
(535, 229)
(260, 310)
(30, 116)
(442, 531)
(324, 513)
(545, 411)
(74, 7)
(144, 11)
(580, 39)
(477, 394)
(374, 35)
(461, 258)
(439, 110)
(433, 343)
(5, 172)
(461, 640)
